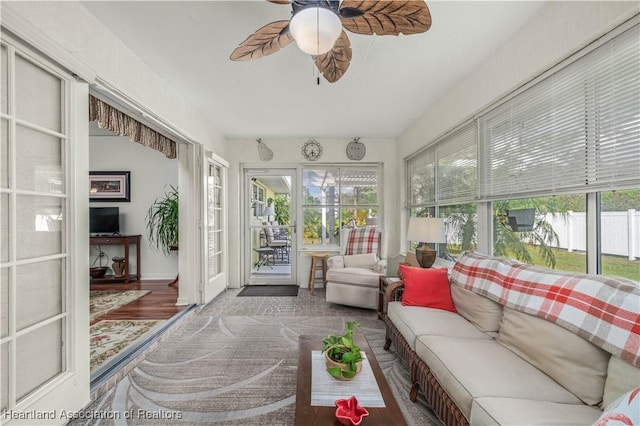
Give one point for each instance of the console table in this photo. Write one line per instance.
(122, 240)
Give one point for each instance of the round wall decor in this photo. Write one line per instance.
(356, 150)
(312, 150)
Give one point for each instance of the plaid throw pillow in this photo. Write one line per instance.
(362, 241)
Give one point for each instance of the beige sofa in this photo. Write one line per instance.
(491, 364)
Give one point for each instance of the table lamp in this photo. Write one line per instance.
(425, 230)
(269, 211)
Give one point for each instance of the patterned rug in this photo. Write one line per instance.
(102, 302)
(241, 370)
(110, 337)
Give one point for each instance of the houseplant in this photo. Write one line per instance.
(162, 222)
(342, 355)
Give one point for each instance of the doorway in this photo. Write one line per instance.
(270, 222)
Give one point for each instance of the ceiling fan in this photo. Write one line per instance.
(317, 28)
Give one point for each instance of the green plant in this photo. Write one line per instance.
(343, 349)
(162, 222)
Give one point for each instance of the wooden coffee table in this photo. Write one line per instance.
(316, 415)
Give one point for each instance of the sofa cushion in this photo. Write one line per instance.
(473, 368)
(413, 321)
(360, 261)
(570, 360)
(621, 377)
(354, 276)
(481, 311)
(426, 287)
(511, 411)
(623, 411)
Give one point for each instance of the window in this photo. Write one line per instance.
(460, 222)
(620, 233)
(557, 235)
(257, 199)
(441, 176)
(556, 145)
(338, 197)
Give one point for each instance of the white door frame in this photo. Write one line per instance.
(282, 170)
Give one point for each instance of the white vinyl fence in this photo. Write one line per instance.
(620, 232)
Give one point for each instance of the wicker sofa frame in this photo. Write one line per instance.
(421, 377)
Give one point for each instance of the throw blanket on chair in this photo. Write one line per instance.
(602, 310)
(362, 241)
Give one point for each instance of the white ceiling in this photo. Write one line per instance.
(390, 83)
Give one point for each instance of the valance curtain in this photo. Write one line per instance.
(121, 124)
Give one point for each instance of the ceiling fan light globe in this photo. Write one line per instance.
(311, 39)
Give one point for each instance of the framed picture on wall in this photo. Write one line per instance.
(110, 186)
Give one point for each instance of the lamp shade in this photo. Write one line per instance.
(426, 230)
(315, 29)
(269, 211)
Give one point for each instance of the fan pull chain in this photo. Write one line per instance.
(317, 44)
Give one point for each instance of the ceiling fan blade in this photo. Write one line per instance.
(385, 17)
(265, 41)
(335, 62)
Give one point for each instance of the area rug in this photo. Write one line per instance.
(102, 302)
(110, 337)
(239, 370)
(269, 290)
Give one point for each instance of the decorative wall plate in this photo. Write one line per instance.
(356, 150)
(312, 150)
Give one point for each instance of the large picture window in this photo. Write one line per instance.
(336, 198)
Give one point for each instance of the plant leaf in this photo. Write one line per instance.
(348, 374)
(335, 371)
(392, 17)
(335, 62)
(265, 41)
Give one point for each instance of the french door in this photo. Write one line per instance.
(270, 224)
(215, 224)
(44, 252)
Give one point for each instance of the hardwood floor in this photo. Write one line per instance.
(159, 304)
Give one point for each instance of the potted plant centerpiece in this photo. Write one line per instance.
(342, 355)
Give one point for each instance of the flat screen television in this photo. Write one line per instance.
(104, 220)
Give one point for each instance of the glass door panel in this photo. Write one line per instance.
(270, 223)
(215, 187)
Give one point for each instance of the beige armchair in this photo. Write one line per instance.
(353, 276)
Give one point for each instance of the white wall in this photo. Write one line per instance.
(558, 30)
(68, 28)
(151, 173)
(287, 153)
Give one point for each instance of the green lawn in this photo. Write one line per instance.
(577, 262)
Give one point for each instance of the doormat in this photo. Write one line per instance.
(269, 290)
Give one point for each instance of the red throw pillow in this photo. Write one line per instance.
(426, 287)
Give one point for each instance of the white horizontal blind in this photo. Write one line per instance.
(577, 130)
(457, 163)
(422, 179)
